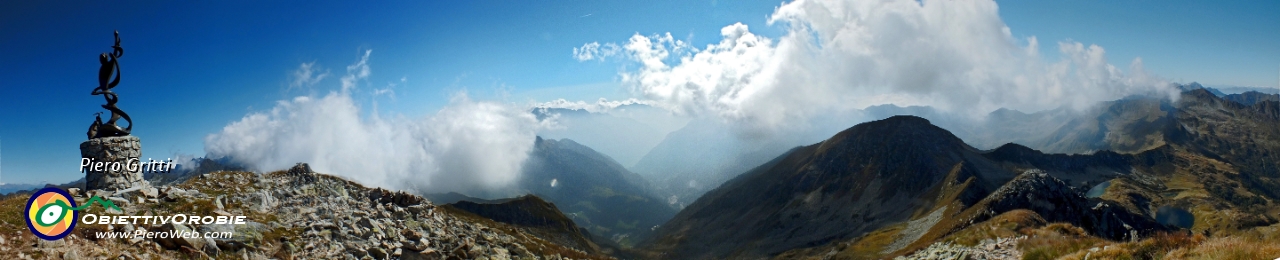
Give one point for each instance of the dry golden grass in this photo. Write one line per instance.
(869, 246)
(1065, 241)
(1155, 247)
(11, 208)
(1056, 240)
(1229, 248)
(1183, 246)
(1009, 224)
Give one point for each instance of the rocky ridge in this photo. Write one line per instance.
(999, 248)
(294, 214)
(1057, 201)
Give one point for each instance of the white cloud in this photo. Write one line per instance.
(600, 106)
(468, 145)
(356, 72)
(835, 56)
(306, 75)
(595, 51)
(389, 91)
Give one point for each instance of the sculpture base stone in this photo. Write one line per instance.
(115, 152)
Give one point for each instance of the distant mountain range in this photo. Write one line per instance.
(1223, 90)
(1250, 98)
(706, 153)
(14, 187)
(893, 186)
(877, 175)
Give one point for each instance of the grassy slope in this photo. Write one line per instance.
(1179, 181)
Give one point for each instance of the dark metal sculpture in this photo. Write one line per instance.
(97, 122)
(110, 65)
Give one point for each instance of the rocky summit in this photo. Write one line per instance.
(293, 214)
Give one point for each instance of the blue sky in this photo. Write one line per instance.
(1212, 42)
(192, 68)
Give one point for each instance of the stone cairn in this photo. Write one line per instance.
(109, 143)
(114, 150)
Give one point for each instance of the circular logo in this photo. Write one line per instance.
(49, 213)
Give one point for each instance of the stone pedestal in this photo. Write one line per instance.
(111, 151)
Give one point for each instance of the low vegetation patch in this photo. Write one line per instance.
(1009, 224)
(1229, 248)
(1055, 240)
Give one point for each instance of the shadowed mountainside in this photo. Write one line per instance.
(539, 217)
(893, 186)
(593, 190)
(879, 175)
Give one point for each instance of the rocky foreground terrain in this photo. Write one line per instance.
(294, 214)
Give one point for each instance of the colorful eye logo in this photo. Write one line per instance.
(50, 213)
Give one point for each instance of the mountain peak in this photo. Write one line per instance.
(901, 131)
(907, 119)
(1190, 86)
(867, 177)
(898, 124)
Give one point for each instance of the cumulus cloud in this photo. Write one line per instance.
(957, 56)
(468, 145)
